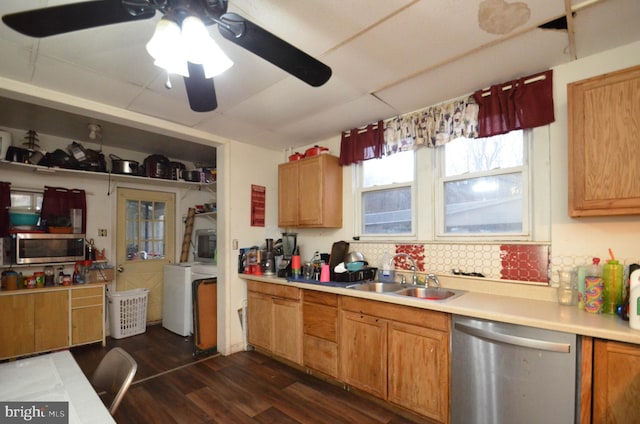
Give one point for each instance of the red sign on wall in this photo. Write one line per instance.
(258, 200)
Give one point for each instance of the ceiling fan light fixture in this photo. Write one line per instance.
(165, 47)
(173, 46)
(200, 48)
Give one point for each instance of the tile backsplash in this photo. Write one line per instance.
(529, 263)
(526, 262)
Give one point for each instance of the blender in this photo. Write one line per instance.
(288, 248)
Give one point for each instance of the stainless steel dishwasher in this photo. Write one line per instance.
(506, 373)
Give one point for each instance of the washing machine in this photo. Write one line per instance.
(177, 297)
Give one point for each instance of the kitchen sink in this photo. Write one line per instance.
(373, 286)
(429, 293)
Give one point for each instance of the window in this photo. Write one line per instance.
(386, 195)
(26, 200)
(466, 190)
(483, 187)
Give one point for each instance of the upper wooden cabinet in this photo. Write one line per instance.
(310, 193)
(604, 123)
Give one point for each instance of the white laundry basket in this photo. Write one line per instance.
(128, 312)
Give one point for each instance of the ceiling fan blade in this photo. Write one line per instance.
(72, 17)
(200, 90)
(261, 42)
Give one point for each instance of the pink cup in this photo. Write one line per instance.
(324, 273)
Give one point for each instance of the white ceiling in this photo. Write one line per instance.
(387, 57)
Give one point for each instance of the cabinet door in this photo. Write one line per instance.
(310, 186)
(287, 331)
(363, 348)
(51, 311)
(86, 325)
(87, 305)
(288, 194)
(603, 144)
(419, 370)
(616, 382)
(17, 325)
(259, 320)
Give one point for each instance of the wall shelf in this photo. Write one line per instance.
(106, 176)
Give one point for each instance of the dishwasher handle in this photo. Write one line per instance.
(513, 340)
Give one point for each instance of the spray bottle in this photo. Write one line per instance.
(634, 300)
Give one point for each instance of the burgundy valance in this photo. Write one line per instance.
(518, 104)
(57, 203)
(5, 204)
(358, 145)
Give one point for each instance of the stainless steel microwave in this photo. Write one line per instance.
(39, 248)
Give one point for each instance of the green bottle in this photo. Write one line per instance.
(612, 275)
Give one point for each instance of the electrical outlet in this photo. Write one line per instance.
(102, 232)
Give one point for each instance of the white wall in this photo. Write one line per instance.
(586, 236)
(242, 165)
(571, 238)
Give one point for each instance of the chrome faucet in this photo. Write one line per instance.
(414, 278)
(434, 278)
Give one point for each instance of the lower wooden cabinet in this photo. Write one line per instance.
(364, 352)
(320, 332)
(275, 319)
(52, 318)
(616, 382)
(87, 315)
(418, 369)
(51, 323)
(398, 353)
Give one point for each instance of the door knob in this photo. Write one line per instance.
(120, 268)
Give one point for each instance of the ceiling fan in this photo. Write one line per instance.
(201, 93)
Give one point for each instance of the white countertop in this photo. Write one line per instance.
(533, 306)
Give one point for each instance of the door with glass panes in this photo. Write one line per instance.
(145, 243)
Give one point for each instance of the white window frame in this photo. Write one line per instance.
(33, 194)
(358, 209)
(441, 180)
(426, 197)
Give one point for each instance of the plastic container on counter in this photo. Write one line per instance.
(612, 276)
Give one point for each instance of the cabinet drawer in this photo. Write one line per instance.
(320, 321)
(82, 302)
(86, 292)
(322, 298)
(422, 317)
(320, 355)
(276, 290)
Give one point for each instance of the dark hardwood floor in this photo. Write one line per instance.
(173, 386)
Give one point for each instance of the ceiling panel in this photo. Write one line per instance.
(477, 70)
(66, 78)
(410, 53)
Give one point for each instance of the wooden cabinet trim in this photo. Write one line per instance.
(602, 128)
(312, 296)
(276, 290)
(86, 291)
(422, 317)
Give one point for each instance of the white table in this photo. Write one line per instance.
(50, 378)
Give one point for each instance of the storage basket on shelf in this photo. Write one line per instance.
(128, 312)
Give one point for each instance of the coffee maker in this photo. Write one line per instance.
(289, 244)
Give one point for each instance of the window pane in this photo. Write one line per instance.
(465, 155)
(147, 210)
(158, 212)
(396, 168)
(387, 211)
(484, 205)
